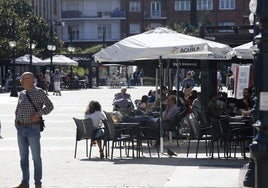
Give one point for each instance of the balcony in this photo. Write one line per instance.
(71, 14)
(77, 14)
(149, 14)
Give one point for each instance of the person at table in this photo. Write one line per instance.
(144, 104)
(94, 112)
(122, 100)
(164, 94)
(196, 105)
(213, 109)
(246, 103)
(151, 96)
(170, 113)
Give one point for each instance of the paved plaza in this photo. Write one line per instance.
(61, 170)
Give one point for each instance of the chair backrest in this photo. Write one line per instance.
(151, 128)
(84, 128)
(194, 124)
(109, 125)
(217, 127)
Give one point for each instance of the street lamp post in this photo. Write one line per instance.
(31, 46)
(71, 50)
(12, 44)
(51, 48)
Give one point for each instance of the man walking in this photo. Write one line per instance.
(32, 104)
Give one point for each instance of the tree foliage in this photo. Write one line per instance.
(21, 12)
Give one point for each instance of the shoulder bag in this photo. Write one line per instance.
(41, 121)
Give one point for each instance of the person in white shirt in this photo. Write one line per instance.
(94, 112)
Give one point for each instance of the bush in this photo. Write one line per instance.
(149, 81)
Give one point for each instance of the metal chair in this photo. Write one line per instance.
(207, 134)
(150, 132)
(84, 131)
(117, 135)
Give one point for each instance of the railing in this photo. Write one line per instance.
(71, 14)
(149, 14)
(107, 14)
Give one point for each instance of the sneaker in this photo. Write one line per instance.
(22, 185)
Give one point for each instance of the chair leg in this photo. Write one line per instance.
(188, 147)
(197, 148)
(120, 147)
(90, 149)
(149, 148)
(218, 149)
(112, 150)
(157, 149)
(75, 149)
(212, 148)
(106, 145)
(87, 147)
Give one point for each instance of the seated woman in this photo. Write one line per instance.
(143, 105)
(94, 112)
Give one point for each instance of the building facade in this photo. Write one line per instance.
(92, 22)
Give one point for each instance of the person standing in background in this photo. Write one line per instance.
(8, 79)
(187, 84)
(27, 123)
(47, 81)
(57, 82)
(140, 77)
(229, 73)
(219, 79)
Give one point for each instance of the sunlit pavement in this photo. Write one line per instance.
(60, 169)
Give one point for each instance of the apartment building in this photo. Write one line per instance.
(107, 21)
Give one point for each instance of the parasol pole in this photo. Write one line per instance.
(161, 84)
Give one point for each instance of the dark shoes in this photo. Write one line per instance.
(25, 185)
(38, 186)
(22, 185)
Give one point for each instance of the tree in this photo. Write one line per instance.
(21, 12)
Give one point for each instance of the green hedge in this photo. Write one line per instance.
(149, 81)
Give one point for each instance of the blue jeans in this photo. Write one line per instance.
(29, 137)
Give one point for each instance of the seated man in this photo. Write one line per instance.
(169, 115)
(122, 100)
(246, 103)
(213, 109)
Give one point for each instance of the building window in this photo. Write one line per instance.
(182, 5)
(134, 6)
(226, 24)
(155, 8)
(75, 32)
(134, 28)
(204, 4)
(227, 4)
(104, 29)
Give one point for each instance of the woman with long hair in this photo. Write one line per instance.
(94, 112)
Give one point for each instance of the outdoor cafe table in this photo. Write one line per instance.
(135, 123)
